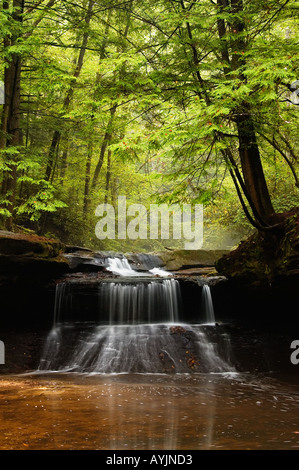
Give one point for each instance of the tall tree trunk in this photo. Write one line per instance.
(52, 154)
(250, 158)
(86, 198)
(253, 183)
(108, 133)
(64, 162)
(108, 176)
(105, 143)
(87, 178)
(251, 164)
(10, 122)
(67, 101)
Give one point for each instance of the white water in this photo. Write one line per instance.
(159, 272)
(144, 348)
(149, 301)
(122, 267)
(207, 304)
(138, 330)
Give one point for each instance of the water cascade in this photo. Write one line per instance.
(138, 329)
(207, 304)
(122, 267)
(151, 301)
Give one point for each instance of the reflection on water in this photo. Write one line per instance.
(182, 412)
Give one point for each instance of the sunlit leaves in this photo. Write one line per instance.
(43, 200)
(175, 84)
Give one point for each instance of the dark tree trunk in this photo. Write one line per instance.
(67, 101)
(251, 164)
(86, 199)
(108, 176)
(10, 122)
(256, 189)
(87, 179)
(105, 143)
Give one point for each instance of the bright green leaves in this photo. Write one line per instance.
(36, 196)
(42, 201)
(176, 73)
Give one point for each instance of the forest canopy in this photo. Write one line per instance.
(165, 101)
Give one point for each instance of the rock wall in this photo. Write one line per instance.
(268, 257)
(28, 264)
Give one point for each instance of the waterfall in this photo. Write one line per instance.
(159, 272)
(122, 267)
(63, 301)
(207, 304)
(2, 353)
(140, 348)
(141, 302)
(137, 329)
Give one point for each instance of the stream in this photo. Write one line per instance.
(148, 412)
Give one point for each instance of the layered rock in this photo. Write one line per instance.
(176, 260)
(28, 264)
(267, 257)
(23, 256)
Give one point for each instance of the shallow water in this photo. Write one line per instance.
(147, 412)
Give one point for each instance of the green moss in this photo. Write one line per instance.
(29, 245)
(265, 256)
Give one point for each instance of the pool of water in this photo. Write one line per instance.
(148, 412)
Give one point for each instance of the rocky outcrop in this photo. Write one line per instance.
(268, 257)
(29, 245)
(190, 260)
(28, 264)
(23, 256)
(181, 262)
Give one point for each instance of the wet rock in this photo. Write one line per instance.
(144, 261)
(86, 261)
(29, 245)
(177, 260)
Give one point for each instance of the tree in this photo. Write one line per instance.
(10, 122)
(69, 95)
(16, 35)
(253, 174)
(219, 70)
(192, 91)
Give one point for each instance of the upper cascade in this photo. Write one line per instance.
(122, 267)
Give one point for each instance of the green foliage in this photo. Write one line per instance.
(42, 201)
(156, 89)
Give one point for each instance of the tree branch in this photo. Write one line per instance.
(275, 145)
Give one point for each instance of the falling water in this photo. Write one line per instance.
(63, 301)
(121, 266)
(150, 301)
(138, 330)
(207, 305)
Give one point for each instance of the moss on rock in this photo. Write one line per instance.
(23, 244)
(266, 256)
